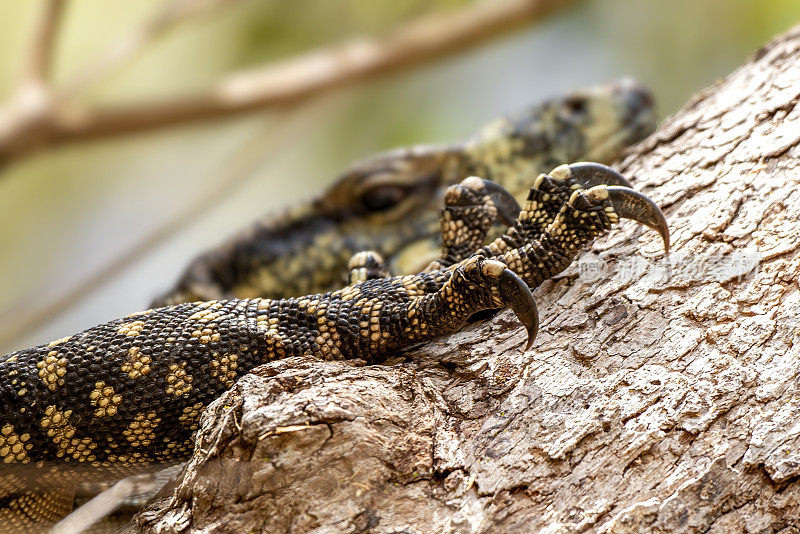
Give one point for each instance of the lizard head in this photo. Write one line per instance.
(593, 124)
(390, 203)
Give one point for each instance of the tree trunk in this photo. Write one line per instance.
(661, 395)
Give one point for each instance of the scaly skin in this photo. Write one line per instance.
(127, 395)
(388, 203)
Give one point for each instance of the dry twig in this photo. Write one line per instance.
(43, 37)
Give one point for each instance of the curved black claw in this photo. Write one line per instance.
(517, 295)
(507, 206)
(631, 204)
(590, 174)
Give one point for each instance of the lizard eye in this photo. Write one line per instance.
(383, 197)
(575, 106)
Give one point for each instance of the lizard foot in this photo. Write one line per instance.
(365, 265)
(472, 207)
(550, 192)
(481, 283)
(588, 214)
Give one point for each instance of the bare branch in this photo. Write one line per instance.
(286, 83)
(25, 120)
(664, 399)
(40, 54)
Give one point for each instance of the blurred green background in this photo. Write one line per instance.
(67, 213)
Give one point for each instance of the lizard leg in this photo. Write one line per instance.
(474, 205)
(587, 215)
(471, 209)
(365, 265)
(476, 284)
(546, 196)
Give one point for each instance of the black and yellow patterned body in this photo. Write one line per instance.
(130, 391)
(127, 395)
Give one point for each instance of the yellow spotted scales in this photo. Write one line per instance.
(127, 395)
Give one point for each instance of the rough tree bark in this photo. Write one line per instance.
(661, 395)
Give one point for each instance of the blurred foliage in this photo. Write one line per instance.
(292, 30)
(66, 213)
(680, 46)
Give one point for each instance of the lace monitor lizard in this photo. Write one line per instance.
(128, 394)
(385, 203)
